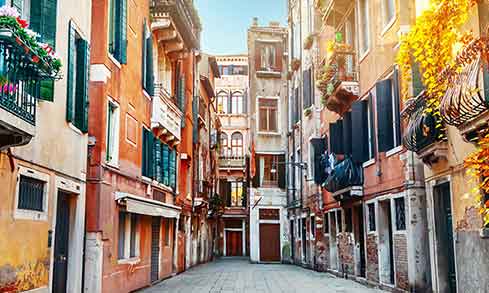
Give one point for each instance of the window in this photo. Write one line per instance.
(299, 231)
(236, 194)
(268, 114)
(237, 103)
(222, 103)
(159, 161)
(225, 70)
(224, 145)
(388, 10)
(349, 220)
(326, 223)
(371, 217)
(240, 70)
(147, 60)
(77, 87)
(128, 246)
(270, 165)
(237, 144)
(400, 214)
(112, 144)
(340, 221)
(31, 194)
(363, 26)
(268, 57)
(388, 113)
(117, 37)
(313, 227)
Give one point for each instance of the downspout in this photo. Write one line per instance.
(301, 104)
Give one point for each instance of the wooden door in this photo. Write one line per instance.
(269, 242)
(234, 243)
(155, 248)
(62, 232)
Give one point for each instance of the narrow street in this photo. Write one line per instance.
(238, 275)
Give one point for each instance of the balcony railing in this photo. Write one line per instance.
(184, 16)
(346, 178)
(464, 101)
(166, 115)
(232, 162)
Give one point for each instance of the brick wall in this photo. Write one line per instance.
(401, 261)
(372, 258)
(346, 245)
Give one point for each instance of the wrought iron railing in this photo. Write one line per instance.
(464, 101)
(19, 82)
(232, 161)
(423, 129)
(344, 174)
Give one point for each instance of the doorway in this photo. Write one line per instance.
(360, 236)
(304, 239)
(447, 279)
(234, 243)
(155, 248)
(61, 240)
(333, 242)
(269, 242)
(386, 247)
(292, 240)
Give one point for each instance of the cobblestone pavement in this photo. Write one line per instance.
(238, 275)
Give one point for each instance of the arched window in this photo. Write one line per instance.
(237, 103)
(224, 144)
(237, 144)
(222, 103)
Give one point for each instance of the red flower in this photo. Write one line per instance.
(22, 22)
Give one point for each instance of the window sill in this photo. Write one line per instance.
(112, 165)
(393, 151)
(114, 61)
(20, 214)
(268, 133)
(263, 73)
(388, 26)
(129, 261)
(368, 163)
(75, 129)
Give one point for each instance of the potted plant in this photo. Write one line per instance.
(296, 64)
(308, 42)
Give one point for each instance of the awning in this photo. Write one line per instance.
(144, 206)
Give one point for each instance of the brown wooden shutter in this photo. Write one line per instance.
(258, 47)
(279, 54)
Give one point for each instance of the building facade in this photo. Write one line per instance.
(232, 104)
(268, 107)
(143, 70)
(43, 143)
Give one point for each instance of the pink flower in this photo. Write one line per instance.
(9, 11)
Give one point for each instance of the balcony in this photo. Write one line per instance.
(166, 116)
(346, 180)
(338, 78)
(176, 24)
(24, 64)
(423, 136)
(232, 162)
(464, 102)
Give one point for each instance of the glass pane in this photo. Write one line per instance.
(272, 120)
(263, 120)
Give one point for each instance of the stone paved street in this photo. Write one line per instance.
(238, 275)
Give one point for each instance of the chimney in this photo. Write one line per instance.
(274, 24)
(255, 21)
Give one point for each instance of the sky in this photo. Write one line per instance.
(225, 22)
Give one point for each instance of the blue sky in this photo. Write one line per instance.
(225, 22)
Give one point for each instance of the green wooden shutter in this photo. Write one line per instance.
(181, 98)
(81, 95)
(384, 115)
(157, 160)
(149, 66)
(19, 5)
(144, 161)
(397, 106)
(143, 61)
(281, 171)
(121, 31)
(71, 73)
(173, 169)
(166, 165)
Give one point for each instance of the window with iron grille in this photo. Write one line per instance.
(371, 217)
(31, 194)
(326, 223)
(400, 214)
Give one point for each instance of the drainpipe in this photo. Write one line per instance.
(301, 105)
